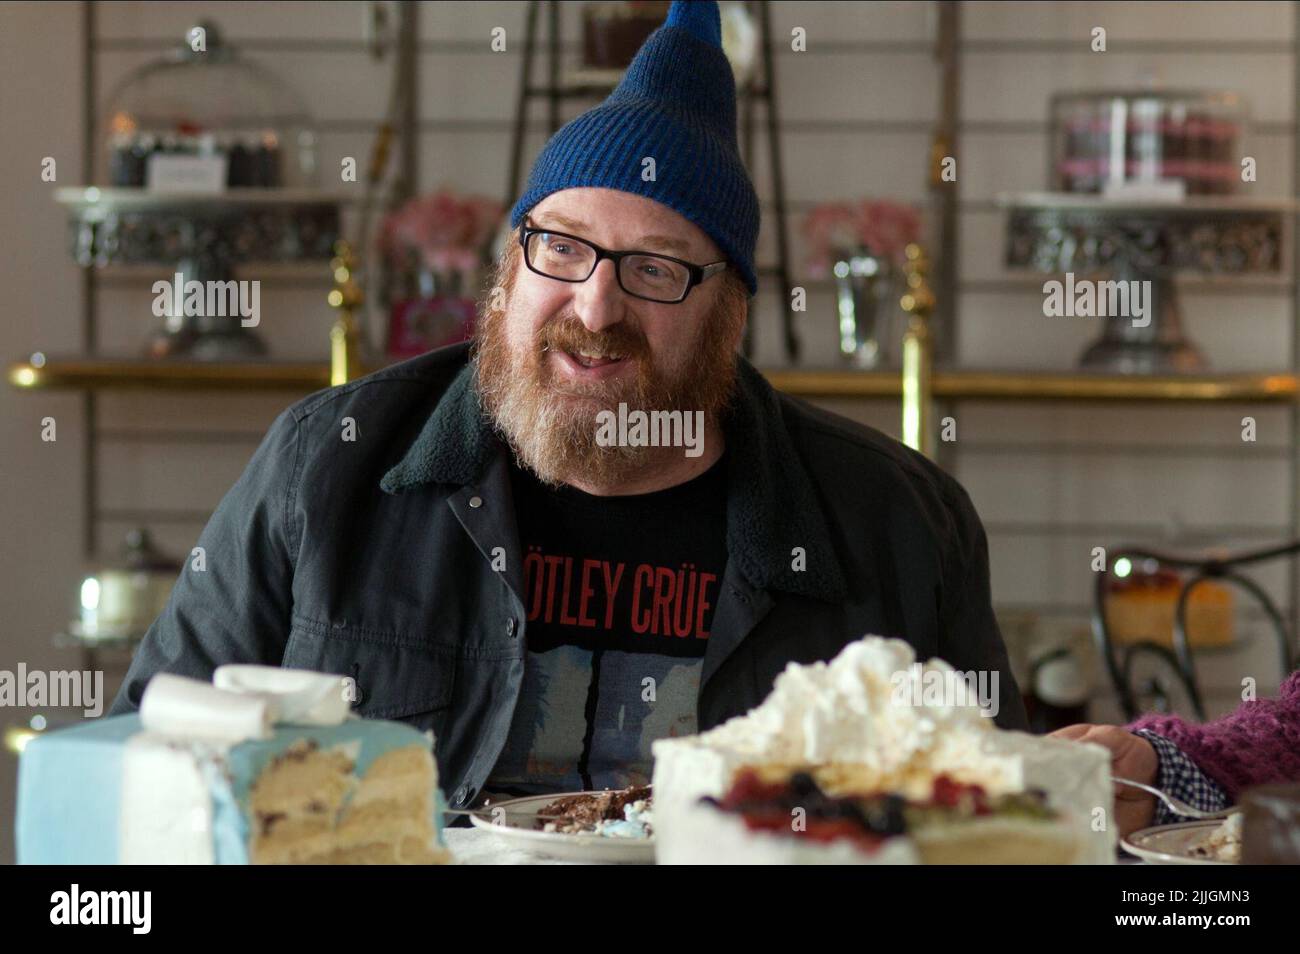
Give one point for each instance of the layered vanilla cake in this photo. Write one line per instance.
(855, 761)
(270, 770)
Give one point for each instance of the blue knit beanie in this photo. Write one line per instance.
(676, 105)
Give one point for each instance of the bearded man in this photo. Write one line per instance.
(484, 561)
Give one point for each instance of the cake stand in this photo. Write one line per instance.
(1145, 241)
(202, 237)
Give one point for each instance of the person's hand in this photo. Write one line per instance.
(1132, 757)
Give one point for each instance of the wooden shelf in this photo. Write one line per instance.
(1043, 385)
(78, 372)
(987, 385)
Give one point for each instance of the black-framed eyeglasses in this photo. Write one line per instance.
(568, 258)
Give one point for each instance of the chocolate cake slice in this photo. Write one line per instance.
(572, 814)
(1271, 828)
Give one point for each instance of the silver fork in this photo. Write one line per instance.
(1178, 806)
(490, 812)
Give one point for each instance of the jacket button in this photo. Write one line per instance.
(476, 502)
(510, 626)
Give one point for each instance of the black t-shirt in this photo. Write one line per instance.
(619, 594)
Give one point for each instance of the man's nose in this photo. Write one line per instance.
(599, 301)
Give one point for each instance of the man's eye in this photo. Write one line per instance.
(657, 272)
(559, 248)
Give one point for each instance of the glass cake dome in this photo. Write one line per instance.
(1107, 138)
(206, 102)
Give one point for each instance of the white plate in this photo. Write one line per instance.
(516, 829)
(1171, 844)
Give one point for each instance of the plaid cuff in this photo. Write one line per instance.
(1180, 777)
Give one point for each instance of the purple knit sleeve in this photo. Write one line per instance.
(1257, 743)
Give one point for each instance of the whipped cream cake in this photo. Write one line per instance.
(846, 762)
(195, 779)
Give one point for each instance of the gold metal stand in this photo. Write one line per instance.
(918, 355)
(346, 296)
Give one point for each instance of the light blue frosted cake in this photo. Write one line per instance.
(112, 791)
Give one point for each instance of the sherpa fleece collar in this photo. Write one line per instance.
(771, 505)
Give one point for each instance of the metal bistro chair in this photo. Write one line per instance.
(1124, 662)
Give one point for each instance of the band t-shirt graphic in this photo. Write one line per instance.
(619, 595)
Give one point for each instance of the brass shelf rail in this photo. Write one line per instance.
(993, 385)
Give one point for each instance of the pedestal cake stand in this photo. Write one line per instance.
(202, 237)
(1145, 241)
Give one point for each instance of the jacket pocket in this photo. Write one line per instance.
(394, 678)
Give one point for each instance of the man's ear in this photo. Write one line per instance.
(737, 301)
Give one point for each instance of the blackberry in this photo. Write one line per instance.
(884, 815)
(803, 785)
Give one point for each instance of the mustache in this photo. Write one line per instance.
(568, 333)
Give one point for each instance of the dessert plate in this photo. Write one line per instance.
(515, 822)
(1172, 844)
